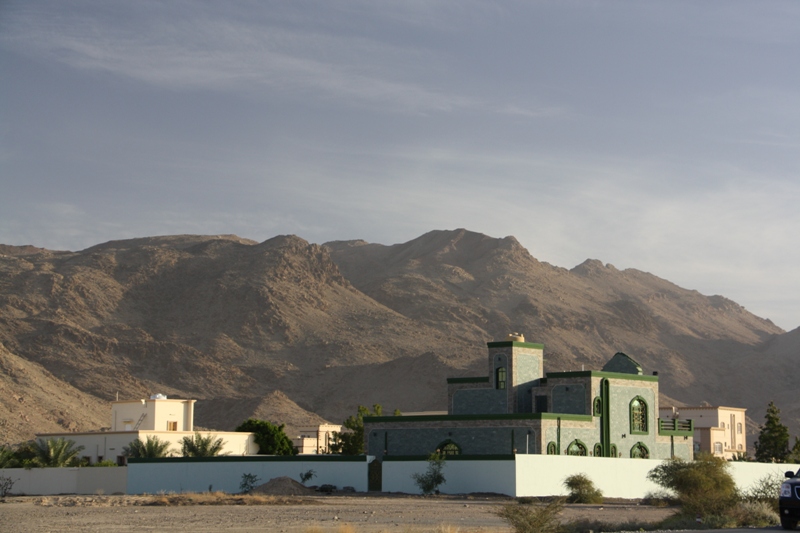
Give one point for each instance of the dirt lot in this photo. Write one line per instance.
(356, 513)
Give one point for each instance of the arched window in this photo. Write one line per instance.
(638, 415)
(500, 378)
(640, 451)
(449, 447)
(576, 447)
(598, 406)
(551, 448)
(598, 450)
(612, 451)
(739, 428)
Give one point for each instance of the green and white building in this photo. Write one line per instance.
(517, 409)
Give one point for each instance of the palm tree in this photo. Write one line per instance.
(8, 459)
(200, 446)
(55, 452)
(152, 448)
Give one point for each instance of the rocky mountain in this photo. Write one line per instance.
(297, 332)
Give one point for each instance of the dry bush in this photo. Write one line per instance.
(755, 514)
(533, 519)
(659, 498)
(598, 526)
(582, 490)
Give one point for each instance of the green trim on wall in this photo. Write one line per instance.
(405, 419)
(256, 459)
(477, 379)
(600, 374)
(515, 344)
(450, 458)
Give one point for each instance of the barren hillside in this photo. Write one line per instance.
(296, 332)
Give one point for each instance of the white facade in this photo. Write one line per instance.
(315, 439)
(169, 420)
(720, 431)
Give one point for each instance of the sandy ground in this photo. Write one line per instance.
(345, 514)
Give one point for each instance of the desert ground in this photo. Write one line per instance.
(354, 513)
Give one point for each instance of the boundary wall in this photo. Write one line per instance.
(200, 474)
(544, 475)
(49, 481)
(520, 475)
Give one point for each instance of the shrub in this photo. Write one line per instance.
(249, 482)
(755, 514)
(533, 519)
(766, 490)
(6, 484)
(703, 486)
(433, 477)
(659, 498)
(582, 490)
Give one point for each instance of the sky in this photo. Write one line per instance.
(661, 135)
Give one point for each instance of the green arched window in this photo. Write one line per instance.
(449, 447)
(598, 450)
(598, 406)
(500, 378)
(638, 416)
(612, 451)
(551, 448)
(576, 447)
(640, 451)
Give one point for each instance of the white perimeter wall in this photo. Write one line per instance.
(544, 475)
(185, 476)
(45, 481)
(462, 476)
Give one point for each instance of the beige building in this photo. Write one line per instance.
(169, 420)
(315, 439)
(717, 430)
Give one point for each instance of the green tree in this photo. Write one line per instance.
(772, 445)
(271, 439)
(151, 448)
(200, 446)
(55, 452)
(434, 475)
(703, 486)
(352, 442)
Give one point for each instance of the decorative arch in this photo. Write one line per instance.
(576, 447)
(638, 415)
(551, 448)
(598, 450)
(640, 451)
(612, 451)
(449, 447)
(597, 408)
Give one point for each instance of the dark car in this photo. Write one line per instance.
(789, 501)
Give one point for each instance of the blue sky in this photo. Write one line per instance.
(661, 136)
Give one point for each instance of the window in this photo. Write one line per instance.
(613, 450)
(598, 450)
(717, 448)
(500, 378)
(551, 448)
(449, 447)
(172, 426)
(576, 447)
(640, 451)
(740, 446)
(638, 416)
(739, 428)
(598, 406)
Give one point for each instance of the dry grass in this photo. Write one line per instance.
(221, 498)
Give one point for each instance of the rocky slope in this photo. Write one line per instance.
(296, 332)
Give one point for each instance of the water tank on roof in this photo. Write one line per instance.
(158, 396)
